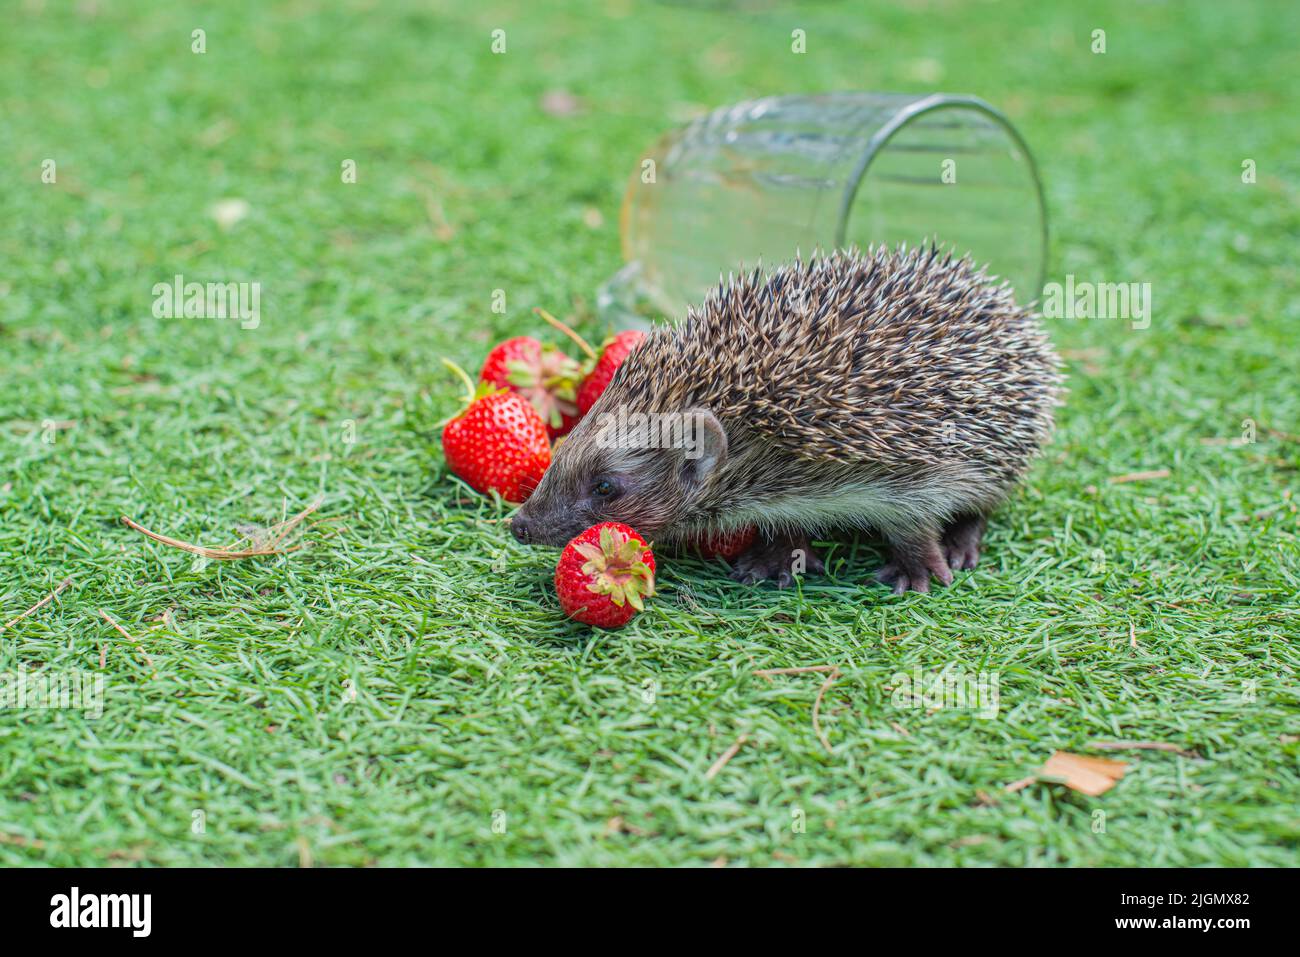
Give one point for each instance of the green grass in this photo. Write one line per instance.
(472, 695)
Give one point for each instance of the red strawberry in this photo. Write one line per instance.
(543, 375)
(724, 545)
(603, 574)
(611, 357)
(498, 444)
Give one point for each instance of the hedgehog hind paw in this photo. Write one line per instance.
(902, 579)
(912, 564)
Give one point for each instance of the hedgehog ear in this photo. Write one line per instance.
(705, 448)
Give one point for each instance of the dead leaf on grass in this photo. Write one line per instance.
(1092, 776)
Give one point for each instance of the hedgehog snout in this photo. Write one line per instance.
(544, 525)
(520, 528)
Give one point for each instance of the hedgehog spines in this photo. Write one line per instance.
(909, 357)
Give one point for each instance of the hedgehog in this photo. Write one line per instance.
(901, 391)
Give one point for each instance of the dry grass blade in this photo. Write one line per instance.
(275, 535)
(817, 707)
(1142, 746)
(832, 672)
(581, 343)
(726, 756)
(18, 840)
(127, 635)
(616, 825)
(442, 227)
(39, 605)
(1138, 476)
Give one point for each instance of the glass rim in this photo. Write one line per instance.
(930, 103)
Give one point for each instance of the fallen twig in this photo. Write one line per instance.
(40, 604)
(797, 671)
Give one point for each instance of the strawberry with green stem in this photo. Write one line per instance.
(545, 376)
(498, 443)
(604, 575)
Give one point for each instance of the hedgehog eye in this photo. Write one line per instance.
(604, 488)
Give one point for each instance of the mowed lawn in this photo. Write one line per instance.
(405, 690)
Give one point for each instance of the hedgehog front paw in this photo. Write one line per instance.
(779, 559)
(912, 564)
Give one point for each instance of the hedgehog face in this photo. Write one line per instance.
(644, 471)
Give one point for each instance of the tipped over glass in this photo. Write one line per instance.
(762, 181)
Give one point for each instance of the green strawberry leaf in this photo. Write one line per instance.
(520, 373)
(589, 551)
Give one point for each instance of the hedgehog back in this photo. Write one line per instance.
(897, 357)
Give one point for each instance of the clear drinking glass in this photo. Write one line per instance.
(765, 179)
